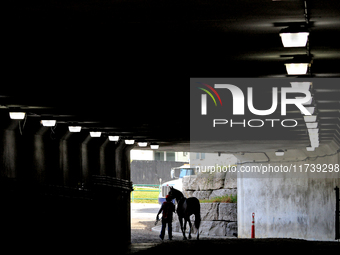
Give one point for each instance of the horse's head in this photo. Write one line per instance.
(171, 192)
(174, 193)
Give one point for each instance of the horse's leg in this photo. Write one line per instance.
(197, 224)
(189, 228)
(183, 229)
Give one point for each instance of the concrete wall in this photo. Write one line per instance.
(288, 207)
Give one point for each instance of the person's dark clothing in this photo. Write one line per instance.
(167, 208)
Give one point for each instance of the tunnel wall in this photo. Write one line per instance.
(288, 207)
(58, 183)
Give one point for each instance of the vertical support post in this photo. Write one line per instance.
(103, 158)
(85, 169)
(39, 152)
(337, 213)
(132, 197)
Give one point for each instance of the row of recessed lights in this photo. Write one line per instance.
(52, 123)
(296, 37)
(310, 120)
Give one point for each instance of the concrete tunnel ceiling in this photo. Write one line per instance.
(123, 67)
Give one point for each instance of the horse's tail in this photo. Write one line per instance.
(198, 217)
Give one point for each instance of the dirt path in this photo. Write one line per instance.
(142, 220)
(141, 232)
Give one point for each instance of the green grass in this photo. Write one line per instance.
(145, 194)
(222, 199)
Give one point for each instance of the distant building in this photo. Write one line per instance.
(195, 159)
(159, 155)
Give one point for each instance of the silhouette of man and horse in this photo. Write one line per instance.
(185, 208)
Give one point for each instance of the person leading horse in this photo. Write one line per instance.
(185, 208)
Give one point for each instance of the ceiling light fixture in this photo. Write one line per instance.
(310, 109)
(314, 139)
(154, 146)
(312, 124)
(309, 102)
(313, 130)
(142, 144)
(301, 85)
(310, 118)
(279, 153)
(313, 136)
(48, 123)
(129, 141)
(113, 138)
(17, 115)
(74, 128)
(296, 68)
(298, 65)
(95, 134)
(294, 36)
(315, 144)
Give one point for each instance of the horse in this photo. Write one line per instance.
(185, 208)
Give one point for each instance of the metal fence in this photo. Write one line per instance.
(145, 190)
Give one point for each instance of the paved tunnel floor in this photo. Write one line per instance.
(239, 246)
(142, 220)
(146, 241)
